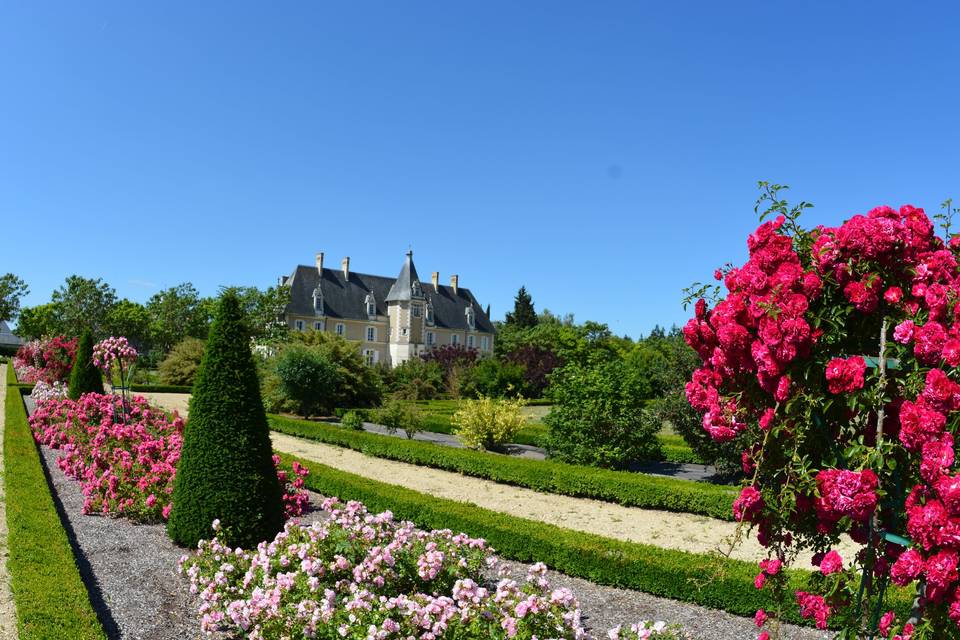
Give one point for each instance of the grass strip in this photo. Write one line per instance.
(621, 487)
(160, 388)
(50, 597)
(707, 580)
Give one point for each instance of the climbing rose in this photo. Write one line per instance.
(813, 606)
(831, 563)
(747, 505)
(845, 376)
(903, 333)
(846, 493)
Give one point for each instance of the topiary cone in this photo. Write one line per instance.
(226, 469)
(85, 376)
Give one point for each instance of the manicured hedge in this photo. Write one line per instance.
(50, 597)
(711, 581)
(161, 388)
(629, 489)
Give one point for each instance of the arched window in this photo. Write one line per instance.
(318, 301)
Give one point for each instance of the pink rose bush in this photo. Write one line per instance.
(830, 363)
(361, 575)
(48, 359)
(124, 453)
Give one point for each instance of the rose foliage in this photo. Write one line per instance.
(840, 435)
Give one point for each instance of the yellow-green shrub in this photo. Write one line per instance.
(487, 423)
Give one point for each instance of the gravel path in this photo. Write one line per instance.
(8, 611)
(683, 531)
(130, 569)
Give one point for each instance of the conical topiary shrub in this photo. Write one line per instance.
(226, 469)
(85, 376)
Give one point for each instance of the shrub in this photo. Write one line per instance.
(416, 379)
(491, 377)
(182, 363)
(85, 376)
(47, 359)
(309, 378)
(352, 420)
(488, 423)
(538, 363)
(226, 468)
(597, 416)
(360, 384)
(396, 414)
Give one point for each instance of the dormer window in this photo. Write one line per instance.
(429, 313)
(471, 317)
(371, 304)
(318, 301)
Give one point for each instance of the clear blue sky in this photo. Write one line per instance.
(604, 155)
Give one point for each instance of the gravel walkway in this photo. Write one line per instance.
(8, 611)
(130, 569)
(682, 531)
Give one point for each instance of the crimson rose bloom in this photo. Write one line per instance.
(845, 376)
(907, 567)
(831, 563)
(747, 505)
(846, 493)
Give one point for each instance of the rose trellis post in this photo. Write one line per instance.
(847, 436)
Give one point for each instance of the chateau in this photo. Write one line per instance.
(393, 319)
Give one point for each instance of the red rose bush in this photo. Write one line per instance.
(831, 363)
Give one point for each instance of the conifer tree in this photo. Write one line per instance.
(523, 315)
(85, 376)
(226, 471)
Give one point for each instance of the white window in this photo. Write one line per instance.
(371, 334)
(371, 304)
(299, 325)
(485, 343)
(318, 300)
(430, 337)
(318, 326)
(340, 328)
(470, 341)
(417, 311)
(471, 317)
(429, 313)
(371, 356)
(455, 339)
(403, 331)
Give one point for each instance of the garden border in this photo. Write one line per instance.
(50, 596)
(712, 581)
(621, 487)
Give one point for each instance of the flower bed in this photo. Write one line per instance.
(124, 453)
(47, 359)
(361, 575)
(622, 487)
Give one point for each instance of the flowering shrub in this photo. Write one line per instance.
(47, 359)
(126, 467)
(360, 575)
(115, 352)
(42, 391)
(831, 362)
(488, 423)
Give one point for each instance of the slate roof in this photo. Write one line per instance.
(7, 336)
(343, 299)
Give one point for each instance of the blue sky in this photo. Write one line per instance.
(605, 155)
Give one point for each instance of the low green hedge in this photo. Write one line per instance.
(50, 597)
(711, 581)
(628, 489)
(161, 388)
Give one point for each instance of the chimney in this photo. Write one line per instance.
(435, 279)
(454, 281)
(345, 265)
(320, 263)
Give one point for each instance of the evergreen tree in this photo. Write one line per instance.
(85, 376)
(523, 315)
(225, 470)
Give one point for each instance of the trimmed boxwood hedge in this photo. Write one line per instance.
(161, 388)
(622, 487)
(50, 596)
(711, 581)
